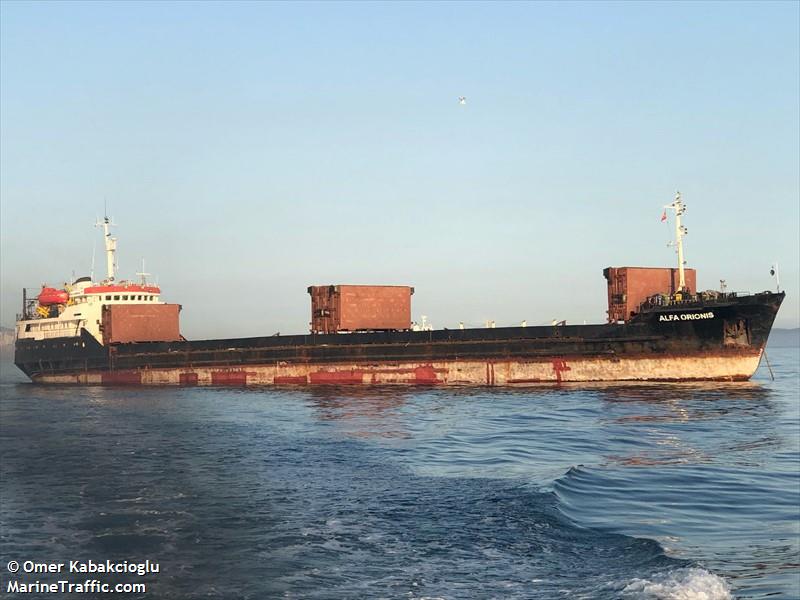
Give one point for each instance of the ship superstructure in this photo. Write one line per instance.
(77, 307)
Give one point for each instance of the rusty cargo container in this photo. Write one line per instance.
(141, 323)
(628, 287)
(340, 308)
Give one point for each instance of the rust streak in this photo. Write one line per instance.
(559, 366)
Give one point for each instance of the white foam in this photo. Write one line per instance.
(680, 584)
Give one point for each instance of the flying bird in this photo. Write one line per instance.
(462, 100)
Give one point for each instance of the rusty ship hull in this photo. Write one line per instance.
(721, 340)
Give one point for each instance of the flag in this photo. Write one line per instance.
(664, 216)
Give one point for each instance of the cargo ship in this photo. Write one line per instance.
(659, 328)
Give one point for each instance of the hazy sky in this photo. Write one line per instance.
(250, 150)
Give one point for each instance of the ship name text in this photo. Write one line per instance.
(686, 316)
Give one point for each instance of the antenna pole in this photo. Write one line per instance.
(94, 251)
(679, 239)
(777, 277)
(111, 246)
(680, 231)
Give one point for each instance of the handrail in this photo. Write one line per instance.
(664, 300)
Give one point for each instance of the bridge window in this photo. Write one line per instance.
(108, 297)
(116, 297)
(124, 297)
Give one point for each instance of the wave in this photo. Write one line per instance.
(691, 583)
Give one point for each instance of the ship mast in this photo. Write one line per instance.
(679, 207)
(111, 246)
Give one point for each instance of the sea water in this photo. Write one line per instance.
(687, 491)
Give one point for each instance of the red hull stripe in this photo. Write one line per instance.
(336, 377)
(426, 375)
(188, 379)
(290, 379)
(122, 378)
(103, 289)
(229, 377)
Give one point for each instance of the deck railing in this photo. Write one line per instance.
(688, 300)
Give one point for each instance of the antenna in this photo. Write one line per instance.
(142, 274)
(679, 207)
